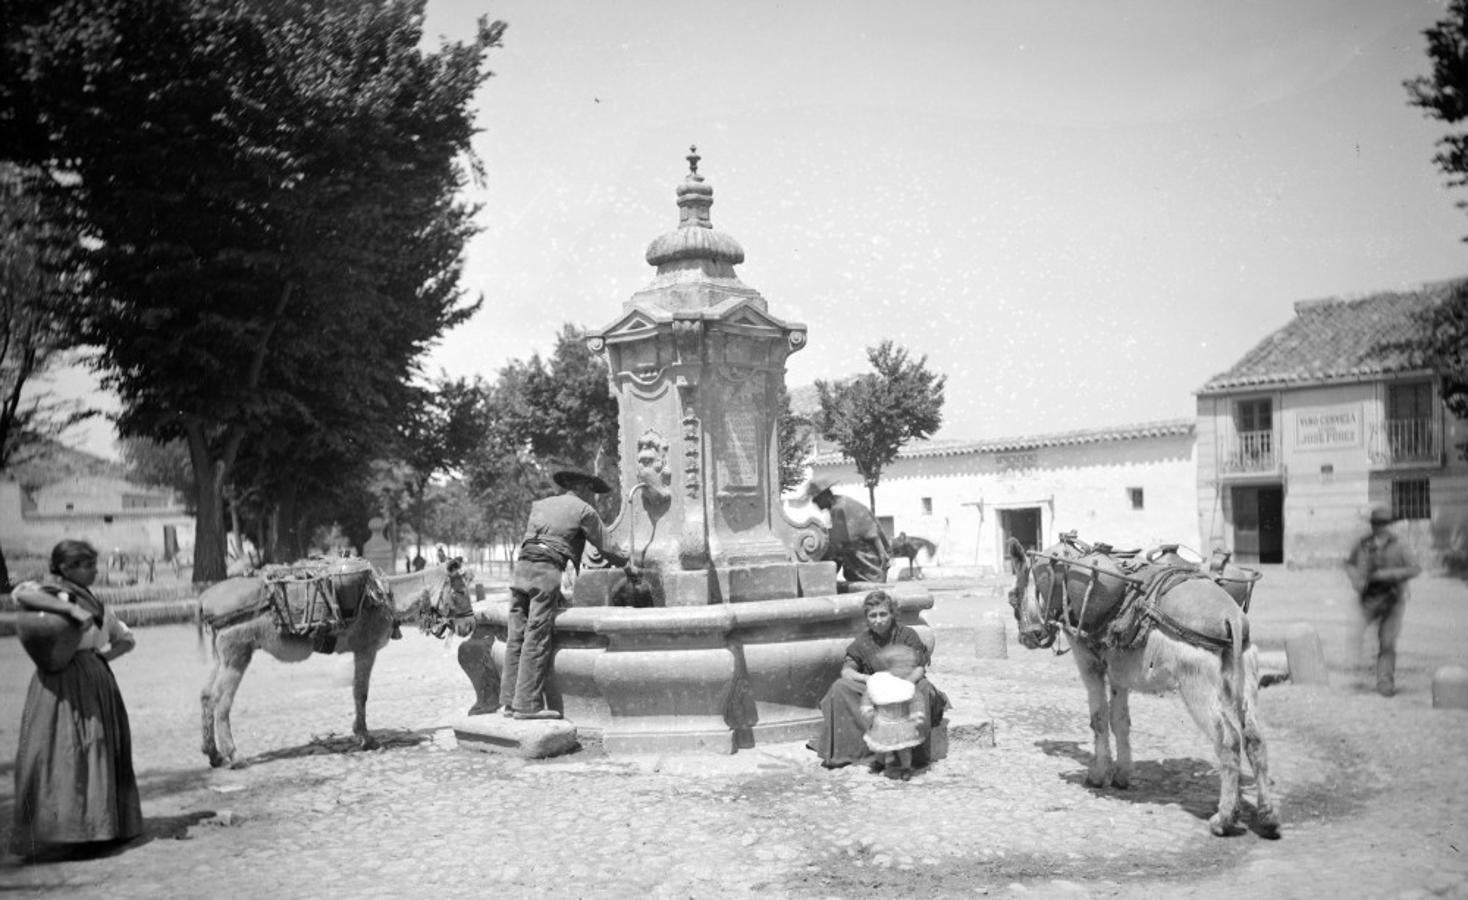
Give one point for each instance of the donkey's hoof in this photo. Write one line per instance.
(236, 763)
(1267, 824)
(368, 742)
(1121, 780)
(1095, 779)
(1222, 826)
(215, 760)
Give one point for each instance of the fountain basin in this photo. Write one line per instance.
(711, 678)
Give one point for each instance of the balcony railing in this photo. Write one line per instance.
(1404, 441)
(1252, 451)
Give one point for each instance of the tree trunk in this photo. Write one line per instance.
(4, 574)
(872, 498)
(210, 563)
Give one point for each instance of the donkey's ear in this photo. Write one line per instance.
(1015, 550)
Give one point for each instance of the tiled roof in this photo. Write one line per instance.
(1333, 340)
(921, 449)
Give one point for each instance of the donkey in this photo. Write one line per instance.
(1196, 640)
(241, 618)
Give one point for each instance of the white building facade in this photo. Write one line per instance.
(1128, 486)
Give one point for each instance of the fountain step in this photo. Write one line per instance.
(526, 738)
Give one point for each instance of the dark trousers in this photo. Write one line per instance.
(534, 598)
(1384, 614)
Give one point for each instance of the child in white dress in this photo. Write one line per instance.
(894, 720)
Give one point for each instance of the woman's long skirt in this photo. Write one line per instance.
(74, 780)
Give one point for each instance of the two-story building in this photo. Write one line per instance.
(1321, 420)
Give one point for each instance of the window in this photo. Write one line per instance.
(1412, 498)
(1135, 495)
(1254, 427)
(927, 506)
(1409, 421)
(1255, 415)
(1409, 401)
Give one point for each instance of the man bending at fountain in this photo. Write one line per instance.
(558, 531)
(858, 545)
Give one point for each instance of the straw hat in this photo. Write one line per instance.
(573, 478)
(818, 485)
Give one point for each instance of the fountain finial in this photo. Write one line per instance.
(695, 237)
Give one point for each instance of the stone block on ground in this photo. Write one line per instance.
(525, 738)
(1305, 655)
(990, 638)
(1450, 688)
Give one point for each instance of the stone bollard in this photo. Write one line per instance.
(1450, 688)
(990, 637)
(1304, 654)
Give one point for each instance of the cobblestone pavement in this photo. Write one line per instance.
(1371, 791)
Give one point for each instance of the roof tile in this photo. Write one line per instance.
(1334, 339)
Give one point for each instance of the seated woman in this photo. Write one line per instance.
(843, 728)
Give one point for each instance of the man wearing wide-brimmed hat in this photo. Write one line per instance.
(558, 531)
(857, 542)
(1379, 567)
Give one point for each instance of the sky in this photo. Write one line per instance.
(1079, 212)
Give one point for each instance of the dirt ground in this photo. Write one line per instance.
(1372, 789)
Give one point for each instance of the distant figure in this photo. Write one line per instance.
(858, 545)
(910, 547)
(443, 556)
(75, 789)
(1379, 567)
(557, 533)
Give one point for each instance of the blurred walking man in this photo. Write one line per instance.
(1379, 567)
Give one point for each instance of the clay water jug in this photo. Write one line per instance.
(50, 639)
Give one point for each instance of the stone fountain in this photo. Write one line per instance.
(747, 626)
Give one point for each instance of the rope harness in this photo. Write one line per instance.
(1128, 623)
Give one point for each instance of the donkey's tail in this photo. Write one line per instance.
(1242, 692)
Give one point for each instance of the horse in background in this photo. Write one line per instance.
(910, 547)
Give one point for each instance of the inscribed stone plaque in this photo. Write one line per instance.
(738, 451)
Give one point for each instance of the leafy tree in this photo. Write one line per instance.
(440, 434)
(792, 436)
(873, 415)
(35, 328)
(1444, 95)
(268, 196)
(160, 465)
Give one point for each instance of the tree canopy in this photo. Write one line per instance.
(1444, 96)
(267, 195)
(872, 416)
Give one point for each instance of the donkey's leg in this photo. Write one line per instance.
(1211, 702)
(1093, 675)
(362, 662)
(234, 658)
(206, 708)
(1266, 817)
(1121, 728)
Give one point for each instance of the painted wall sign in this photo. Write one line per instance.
(1328, 429)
